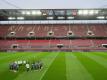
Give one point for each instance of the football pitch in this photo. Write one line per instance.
(57, 66)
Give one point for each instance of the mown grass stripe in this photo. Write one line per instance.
(5, 62)
(95, 69)
(57, 71)
(100, 60)
(12, 75)
(36, 75)
(47, 62)
(102, 54)
(75, 70)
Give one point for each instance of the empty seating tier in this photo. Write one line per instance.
(57, 30)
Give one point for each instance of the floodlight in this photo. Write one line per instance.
(100, 17)
(91, 12)
(33, 12)
(28, 12)
(23, 12)
(38, 13)
(20, 18)
(61, 17)
(80, 12)
(49, 17)
(11, 18)
(85, 12)
(70, 17)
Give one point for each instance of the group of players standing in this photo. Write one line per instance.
(14, 66)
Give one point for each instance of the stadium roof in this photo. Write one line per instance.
(52, 14)
(52, 4)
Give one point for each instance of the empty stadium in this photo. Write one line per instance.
(53, 42)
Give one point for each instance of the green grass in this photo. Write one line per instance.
(57, 70)
(57, 66)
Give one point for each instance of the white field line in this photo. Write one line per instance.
(49, 66)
